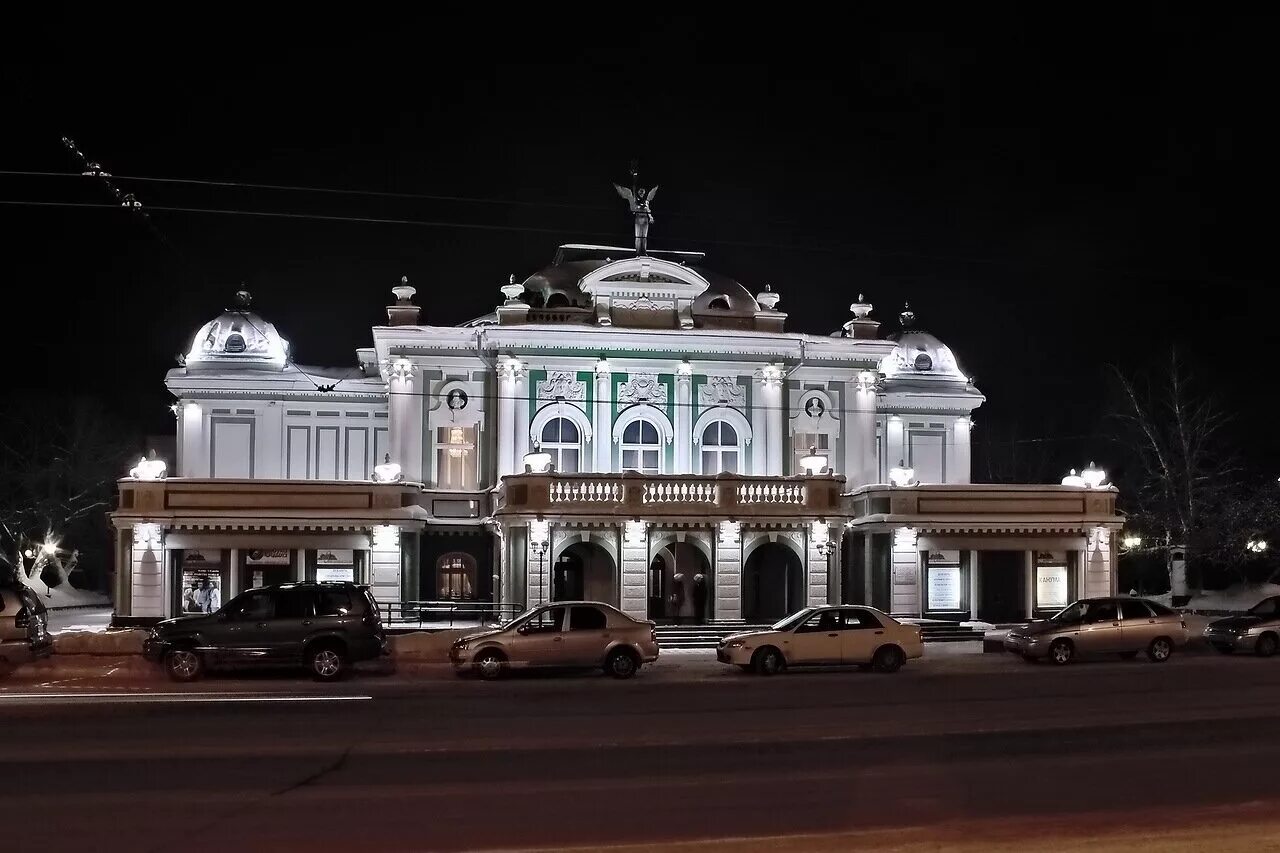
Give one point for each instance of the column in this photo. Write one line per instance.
(958, 466)
(522, 419)
(233, 575)
(684, 419)
(759, 431)
(860, 463)
(270, 449)
(817, 566)
(404, 417)
(868, 568)
(904, 597)
(537, 568)
(772, 393)
(634, 571)
(384, 563)
(1029, 574)
(601, 427)
(975, 561)
(728, 579)
(147, 567)
(508, 372)
(835, 568)
(894, 442)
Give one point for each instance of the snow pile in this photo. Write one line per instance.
(65, 595)
(1235, 599)
(978, 625)
(99, 642)
(424, 646)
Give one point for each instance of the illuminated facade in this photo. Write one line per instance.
(633, 428)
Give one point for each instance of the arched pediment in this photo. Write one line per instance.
(644, 276)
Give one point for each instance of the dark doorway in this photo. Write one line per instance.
(584, 572)
(1002, 585)
(680, 585)
(853, 567)
(772, 584)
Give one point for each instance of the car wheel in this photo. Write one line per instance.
(490, 664)
(768, 661)
(1128, 655)
(1061, 652)
(326, 662)
(888, 659)
(1266, 646)
(184, 664)
(1160, 649)
(621, 664)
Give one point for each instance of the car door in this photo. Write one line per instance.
(1138, 625)
(242, 634)
(588, 634)
(816, 640)
(1099, 631)
(860, 635)
(539, 641)
(290, 624)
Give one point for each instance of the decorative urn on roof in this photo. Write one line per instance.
(768, 299)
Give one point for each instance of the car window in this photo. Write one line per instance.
(1134, 610)
(545, 621)
(1160, 609)
(587, 619)
(1265, 608)
(821, 620)
(859, 619)
(252, 605)
(1102, 611)
(332, 602)
(1070, 615)
(293, 603)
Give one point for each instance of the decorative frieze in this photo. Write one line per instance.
(564, 385)
(722, 391)
(643, 388)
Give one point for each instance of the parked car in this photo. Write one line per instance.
(1091, 626)
(24, 626)
(825, 636)
(325, 627)
(1258, 629)
(564, 634)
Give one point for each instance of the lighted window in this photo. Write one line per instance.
(456, 466)
(800, 444)
(641, 448)
(456, 576)
(563, 440)
(721, 450)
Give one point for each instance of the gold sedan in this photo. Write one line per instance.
(818, 636)
(1093, 626)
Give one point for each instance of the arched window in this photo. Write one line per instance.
(561, 438)
(720, 303)
(641, 448)
(456, 575)
(720, 448)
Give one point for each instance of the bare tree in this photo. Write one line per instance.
(59, 461)
(1183, 469)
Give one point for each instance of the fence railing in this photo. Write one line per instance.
(449, 613)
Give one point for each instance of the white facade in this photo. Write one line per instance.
(650, 367)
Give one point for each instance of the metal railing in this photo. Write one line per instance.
(450, 613)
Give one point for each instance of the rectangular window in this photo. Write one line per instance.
(456, 466)
(924, 454)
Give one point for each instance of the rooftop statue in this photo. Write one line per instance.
(639, 198)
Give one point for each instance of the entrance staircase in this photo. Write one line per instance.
(709, 636)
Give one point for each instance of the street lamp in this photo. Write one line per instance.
(902, 474)
(1093, 476)
(815, 463)
(540, 541)
(1131, 541)
(1256, 546)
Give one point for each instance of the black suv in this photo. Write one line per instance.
(323, 626)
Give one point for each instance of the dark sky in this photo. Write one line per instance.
(1050, 196)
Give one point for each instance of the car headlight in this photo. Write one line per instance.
(460, 647)
(736, 644)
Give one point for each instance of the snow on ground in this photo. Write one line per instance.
(68, 596)
(1237, 599)
(978, 625)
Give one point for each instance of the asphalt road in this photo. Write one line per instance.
(961, 751)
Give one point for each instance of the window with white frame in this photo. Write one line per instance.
(456, 458)
(563, 440)
(641, 448)
(721, 451)
(800, 444)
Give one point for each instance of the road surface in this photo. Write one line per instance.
(966, 752)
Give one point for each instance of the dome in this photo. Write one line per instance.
(919, 353)
(238, 338)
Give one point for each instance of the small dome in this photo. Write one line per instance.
(238, 338)
(920, 354)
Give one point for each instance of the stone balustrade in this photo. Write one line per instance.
(631, 495)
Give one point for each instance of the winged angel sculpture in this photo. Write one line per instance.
(639, 198)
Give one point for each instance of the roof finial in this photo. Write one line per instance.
(403, 291)
(907, 317)
(242, 298)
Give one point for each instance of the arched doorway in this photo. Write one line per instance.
(584, 571)
(772, 584)
(680, 585)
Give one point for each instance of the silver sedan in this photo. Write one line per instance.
(1258, 630)
(1122, 626)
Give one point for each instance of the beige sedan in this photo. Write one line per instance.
(1101, 626)
(567, 635)
(818, 636)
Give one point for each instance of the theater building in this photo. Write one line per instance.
(632, 428)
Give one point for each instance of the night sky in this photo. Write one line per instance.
(1051, 197)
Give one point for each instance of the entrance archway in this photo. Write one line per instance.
(680, 585)
(772, 584)
(584, 571)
